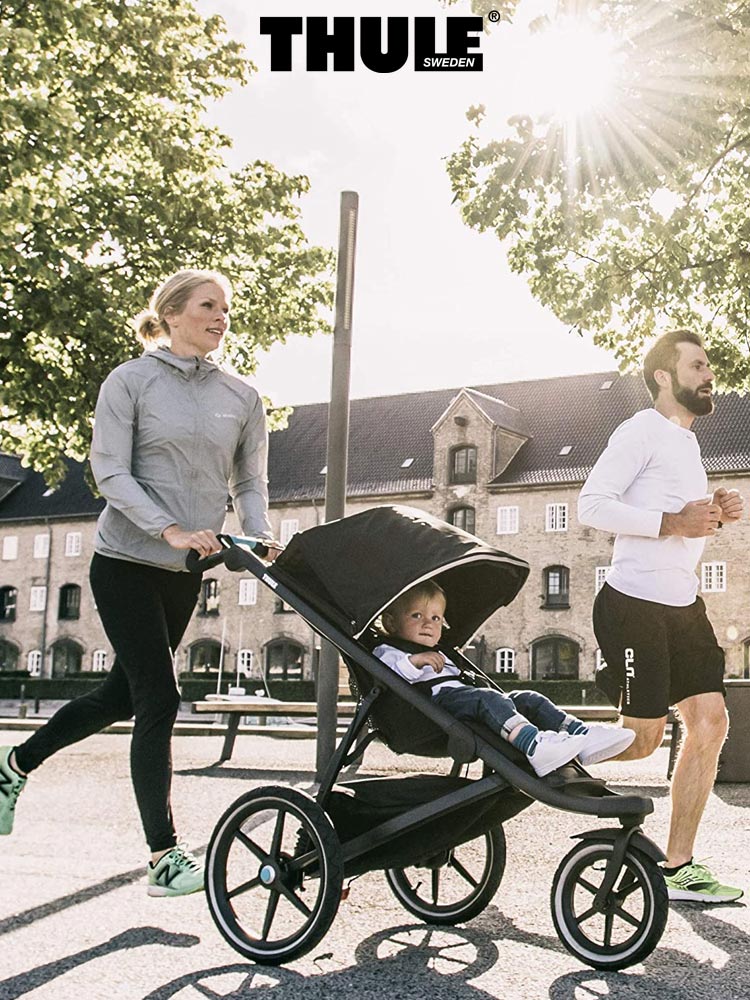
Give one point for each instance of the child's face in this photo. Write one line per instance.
(420, 621)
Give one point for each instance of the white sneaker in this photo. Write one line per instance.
(603, 742)
(552, 750)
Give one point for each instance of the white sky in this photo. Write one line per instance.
(435, 304)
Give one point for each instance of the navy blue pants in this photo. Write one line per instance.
(498, 711)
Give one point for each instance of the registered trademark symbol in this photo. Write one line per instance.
(494, 16)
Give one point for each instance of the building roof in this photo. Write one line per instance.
(391, 445)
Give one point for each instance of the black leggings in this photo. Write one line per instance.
(145, 612)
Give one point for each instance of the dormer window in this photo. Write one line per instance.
(566, 449)
(407, 463)
(463, 464)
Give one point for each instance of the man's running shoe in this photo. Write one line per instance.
(603, 742)
(11, 786)
(176, 873)
(695, 883)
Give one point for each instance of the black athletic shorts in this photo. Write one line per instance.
(655, 654)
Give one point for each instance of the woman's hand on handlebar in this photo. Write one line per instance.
(204, 542)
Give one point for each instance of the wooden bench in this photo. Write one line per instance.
(234, 708)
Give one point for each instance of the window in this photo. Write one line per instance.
(8, 655)
(99, 659)
(713, 577)
(8, 601)
(245, 662)
(284, 660)
(10, 547)
(557, 517)
(464, 518)
(600, 578)
(67, 657)
(507, 520)
(208, 603)
(463, 465)
(407, 463)
(554, 658)
(556, 587)
(41, 546)
(73, 543)
(69, 605)
(248, 592)
(566, 449)
(505, 660)
(38, 599)
(34, 662)
(205, 656)
(289, 527)
(599, 660)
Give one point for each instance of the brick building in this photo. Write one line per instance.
(503, 461)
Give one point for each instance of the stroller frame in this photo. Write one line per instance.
(625, 857)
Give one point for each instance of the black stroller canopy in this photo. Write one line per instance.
(360, 564)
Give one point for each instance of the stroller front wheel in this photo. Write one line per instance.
(458, 885)
(629, 925)
(274, 872)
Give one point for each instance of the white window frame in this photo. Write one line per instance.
(245, 659)
(507, 520)
(73, 543)
(99, 659)
(289, 526)
(38, 598)
(713, 577)
(10, 547)
(34, 662)
(600, 577)
(248, 592)
(505, 660)
(41, 545)
(556, 517)
(599, 660)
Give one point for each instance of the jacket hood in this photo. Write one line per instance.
(189, 367)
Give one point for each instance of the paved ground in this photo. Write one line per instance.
(75, 920)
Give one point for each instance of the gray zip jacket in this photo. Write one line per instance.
(172, 438)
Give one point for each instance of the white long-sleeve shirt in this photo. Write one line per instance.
(650, 466)
(400, 663)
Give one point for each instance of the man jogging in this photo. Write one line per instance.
(649, 487)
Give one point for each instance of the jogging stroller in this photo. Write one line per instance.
(278, 857)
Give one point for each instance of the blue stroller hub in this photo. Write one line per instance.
(278, 857)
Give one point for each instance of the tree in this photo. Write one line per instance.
(110, 180)
(629, 216)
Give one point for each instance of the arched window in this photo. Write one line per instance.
(208, 603)
(554, 658)
(8, 601)
(8, 655)
(556, 587)
(464, 518)
(463, 464)
(284, 660)
(69, 605)
(67, 657)
(505, 660)
(205, 656)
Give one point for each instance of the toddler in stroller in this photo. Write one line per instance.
(528, 720)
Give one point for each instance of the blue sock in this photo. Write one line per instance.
(526, 738)
(573, 726)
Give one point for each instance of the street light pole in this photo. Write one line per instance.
(336, 457)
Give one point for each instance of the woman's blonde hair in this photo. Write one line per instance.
(173, 293)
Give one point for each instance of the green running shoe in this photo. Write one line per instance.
(11, 786)
(176, 873)
(695, 883)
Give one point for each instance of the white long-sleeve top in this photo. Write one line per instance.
(400, 664)
(650, 466)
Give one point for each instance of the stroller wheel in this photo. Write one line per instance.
(274, 873)
(629, 925)
(458, 885)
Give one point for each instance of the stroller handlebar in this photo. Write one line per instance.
(259, 546)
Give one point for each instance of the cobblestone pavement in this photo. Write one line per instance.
(75, 920)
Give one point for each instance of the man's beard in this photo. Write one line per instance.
(692, 400)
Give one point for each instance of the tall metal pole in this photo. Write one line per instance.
(337, 454)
